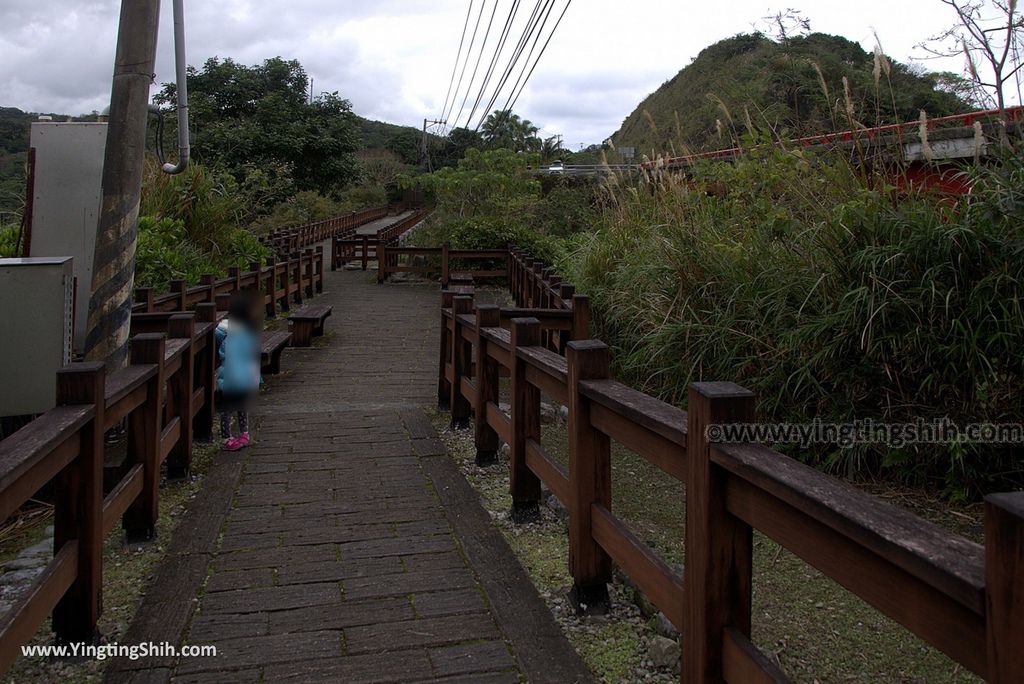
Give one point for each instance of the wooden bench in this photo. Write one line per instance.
(308, 323)
(271, 346)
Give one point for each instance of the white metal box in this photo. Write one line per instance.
(66, 201)
(37, 306)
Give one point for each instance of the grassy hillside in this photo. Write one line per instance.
(794, 87)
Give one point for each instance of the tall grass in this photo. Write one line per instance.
(830, 297)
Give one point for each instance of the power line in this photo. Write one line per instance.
(542, 50)
(483, 47)
(494, 60)
(472, 41)
(529, 56)
(458, 56)
(524, 39)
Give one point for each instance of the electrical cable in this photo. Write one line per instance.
(494, 60)
(483, 47)
(524, 39)
(542, 50)
(458, 56)
(469, 52)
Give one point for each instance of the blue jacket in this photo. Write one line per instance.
(239, 370)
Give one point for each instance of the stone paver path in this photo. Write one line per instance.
(343, 546)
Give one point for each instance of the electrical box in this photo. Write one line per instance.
(37, 300)
(66, 201)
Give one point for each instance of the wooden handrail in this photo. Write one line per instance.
(165, 396)
(282, 280)
(963, 598)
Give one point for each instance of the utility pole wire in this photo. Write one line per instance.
(542, 50)
(524, 39)
(494, 60)
(472, 42)
(458, 56)
(483, 47)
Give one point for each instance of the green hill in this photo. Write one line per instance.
(779, 84)
(404, 141)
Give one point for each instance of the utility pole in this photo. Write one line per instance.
(424, 149)
(113, 274)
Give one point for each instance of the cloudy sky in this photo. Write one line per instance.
(393, 58)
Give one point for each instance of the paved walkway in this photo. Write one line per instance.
(345, 546)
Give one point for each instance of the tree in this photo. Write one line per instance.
(551, 148)
(249, 117)
(988, 33)
(406, 144)
(503, 129)
(380, 167)
(456, 145)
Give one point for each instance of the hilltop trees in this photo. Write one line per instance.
(258, 121)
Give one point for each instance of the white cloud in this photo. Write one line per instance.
(393, 58)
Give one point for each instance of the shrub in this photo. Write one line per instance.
(830, 298)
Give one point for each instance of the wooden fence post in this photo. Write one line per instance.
(461, 360)
(366, 251)
(382, 261)
(144, 295)
(310, 270)
(334, 254)
(144, 423)
(1004, 586)
(590, 480)
(718, 554)
(488, 385)
(445, 264)
(180, 288)
(235, 273)
(525, 485)
(209, 280)
(206, 374)
(282, 271)
(78, 508)
(296, 273)
(444, 388)
(271, 294)
(318, 266)
(179, 460)
(580, 317)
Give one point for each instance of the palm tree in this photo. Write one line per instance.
(504, 129)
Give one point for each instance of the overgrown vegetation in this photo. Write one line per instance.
(491, 199)
(832, 298)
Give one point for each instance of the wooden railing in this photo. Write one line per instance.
(291, 239)
(965, 599)
(282, 283)
(166, 398)
(362, 249)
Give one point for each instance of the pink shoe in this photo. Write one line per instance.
(237, 443)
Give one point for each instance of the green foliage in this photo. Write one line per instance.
(503, 129)
(828, 298)
(9, 235)
(246, 118)
(778, 83)
(189, 226)
(490, 200)
(166, 252)
(456, 145)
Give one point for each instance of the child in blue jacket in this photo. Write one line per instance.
(238, 376)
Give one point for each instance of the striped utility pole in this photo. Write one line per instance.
(113, 271)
